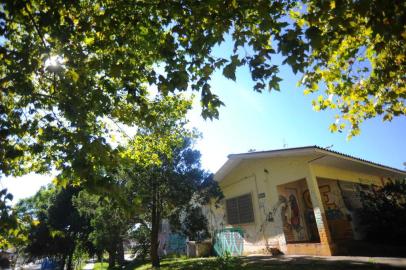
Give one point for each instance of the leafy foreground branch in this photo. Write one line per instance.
(68, 66)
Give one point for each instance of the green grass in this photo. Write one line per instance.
(183, 263)
(232, 263)
(100, 266)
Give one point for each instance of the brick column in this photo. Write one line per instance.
(319, 214)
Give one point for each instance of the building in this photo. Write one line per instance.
(297, 201)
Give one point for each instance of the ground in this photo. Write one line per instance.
(274, 263)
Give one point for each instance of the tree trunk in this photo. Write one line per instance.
(15, 259)
(70, 260)
(154, 248)
(112, 258)
(99, 256)
(155, 230)
(120, 252)
(70, 256)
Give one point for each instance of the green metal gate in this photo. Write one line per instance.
(228, 241)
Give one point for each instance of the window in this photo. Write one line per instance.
(239, 210)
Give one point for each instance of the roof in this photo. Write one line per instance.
(235, 159)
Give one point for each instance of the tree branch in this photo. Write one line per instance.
(36, 27)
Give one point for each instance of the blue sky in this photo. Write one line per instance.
(272, 120)
(265, 121)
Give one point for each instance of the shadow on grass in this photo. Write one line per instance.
(322, 263)
(274, 263)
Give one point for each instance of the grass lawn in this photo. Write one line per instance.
(247, 263)
(100, 266)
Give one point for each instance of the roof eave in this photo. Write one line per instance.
(367, 163)
(234, 159)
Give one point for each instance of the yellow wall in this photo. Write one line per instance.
(346, 175)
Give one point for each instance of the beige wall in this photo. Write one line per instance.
(250, 176)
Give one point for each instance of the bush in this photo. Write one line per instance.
(383, 216)
(227, 262)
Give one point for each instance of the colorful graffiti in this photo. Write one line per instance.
(229, 241)
(331, 207)
(291, 216)
(295, 214)
(333, 214)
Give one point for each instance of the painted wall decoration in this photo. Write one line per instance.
(330, 202)
(170, 242)
(176, 243)
(351, 195)
(310, 217)
(337, 214)
(229, 241)
(291, 216)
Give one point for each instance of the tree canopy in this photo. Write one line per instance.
(69, 66)
(357, 56)
(74, 74)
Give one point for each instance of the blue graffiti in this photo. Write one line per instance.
(176, 243)
(229, 241)
(334, 214)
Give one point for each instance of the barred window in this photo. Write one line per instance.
(239, 210)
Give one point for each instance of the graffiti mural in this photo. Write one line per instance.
(172, 243)
(229, 241)
(291, 217)
(329, 201)
(176, 243)
(337, 214)
(310, 217)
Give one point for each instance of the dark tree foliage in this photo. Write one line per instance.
(384, 214)
(142, 238)
(110, 224)
(8, 220)
(193, 223)
(166, 190)
(59, 228)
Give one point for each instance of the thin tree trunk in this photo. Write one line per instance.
(70, 256)
(15, 259)
(120, 252)
(63, 261)
(99, 255)
(70, 260)
(155, 230)
(112, 258)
